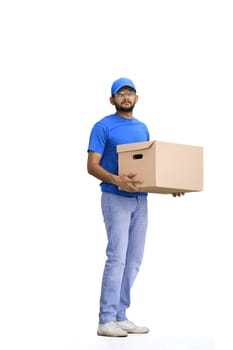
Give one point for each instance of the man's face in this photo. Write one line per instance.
(125, 99)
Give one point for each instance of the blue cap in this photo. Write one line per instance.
(120, 83)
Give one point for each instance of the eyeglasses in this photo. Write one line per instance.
(122, 94)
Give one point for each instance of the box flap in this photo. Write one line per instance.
(134, 146)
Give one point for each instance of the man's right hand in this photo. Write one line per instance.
(129, 182)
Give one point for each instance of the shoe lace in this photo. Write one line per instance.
(114, 325)
(130, 323)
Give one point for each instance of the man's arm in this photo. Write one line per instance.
(126, 182)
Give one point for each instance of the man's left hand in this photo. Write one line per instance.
(178, 194)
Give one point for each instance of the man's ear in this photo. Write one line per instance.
(111, 99)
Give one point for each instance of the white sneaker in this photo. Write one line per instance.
(111, 329)
(130, 327)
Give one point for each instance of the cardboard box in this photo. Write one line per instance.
(164, 167)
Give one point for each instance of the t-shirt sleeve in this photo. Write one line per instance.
(98, 138)
(148, 134)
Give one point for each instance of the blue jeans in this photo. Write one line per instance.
(126, 220)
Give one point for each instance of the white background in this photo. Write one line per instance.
(58, 61)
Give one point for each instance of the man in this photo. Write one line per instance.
(124, 208)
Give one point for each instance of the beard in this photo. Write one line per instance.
(124, 109)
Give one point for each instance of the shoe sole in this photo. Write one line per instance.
(112, 335)
(136, 332)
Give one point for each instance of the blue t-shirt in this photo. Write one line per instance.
(109, 132)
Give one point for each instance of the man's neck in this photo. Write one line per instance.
(127, 115)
